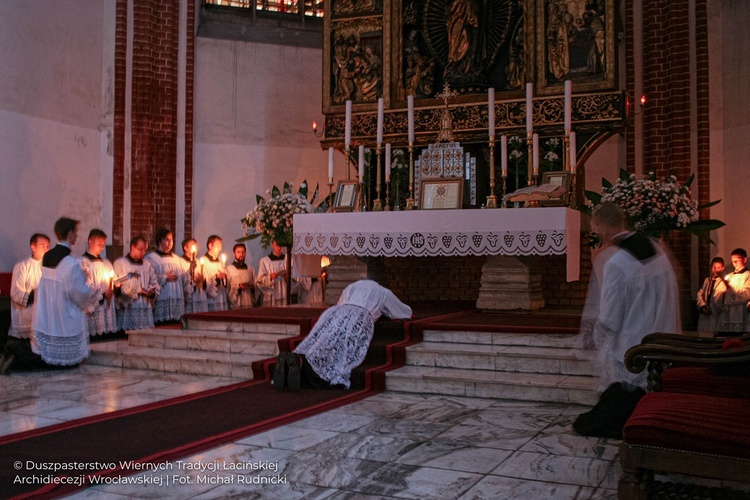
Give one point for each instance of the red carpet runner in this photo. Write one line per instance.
(180, 427)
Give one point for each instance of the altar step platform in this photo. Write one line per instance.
(503, 356)
(493, 358)
(218, 344)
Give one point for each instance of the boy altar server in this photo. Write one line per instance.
(169, 305)
(137, 290)
(241, 280)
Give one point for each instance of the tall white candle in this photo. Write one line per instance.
(381, 111)
(535, 153)
(330, 163)
(348, 125)
(491, 110)
(568, 104)
(410, 107)
(361, 164)
(573, 152)
(388, 162)
(504, 155)
(529, 108)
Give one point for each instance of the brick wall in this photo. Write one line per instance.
(154, 108)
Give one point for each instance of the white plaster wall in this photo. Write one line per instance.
(254, 108)
(50, 115)
(730, 121)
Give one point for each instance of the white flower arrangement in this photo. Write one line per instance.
(273, 219)
(656, 206)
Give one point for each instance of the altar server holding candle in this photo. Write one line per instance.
(194, 285)
(215, 274)
(138, 290)
(169, 305)
(272, 276)
(101, 318)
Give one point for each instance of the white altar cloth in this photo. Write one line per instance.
(429, 233)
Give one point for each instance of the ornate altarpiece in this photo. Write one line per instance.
(389, 49)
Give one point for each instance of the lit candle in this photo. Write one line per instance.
(330, 164)
(388, 162)
(348, 125)
(223, 259)
(380, 121)
(535, 153)
(504, 155)
(202, 263)
(194, 251)
(529, 108)
(410, 107)
(111, 280)
(491, 110)
(361, 164)
(573, 158)
(568, 104)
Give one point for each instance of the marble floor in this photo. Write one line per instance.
(391, 445)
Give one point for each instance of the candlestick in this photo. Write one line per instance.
(529, 160)
(387, 177)
(330, 194)
(410, 107)
(348, 126)
(347, 153)
(492, 199)
(529, 108)
(380, 121)
(330, 163)
(504, 155)
(573, 152)
(568, 105)
(535, 147)
(410, 199)
(361, 164)
(491, 111)
(202, 262)
(377, 205)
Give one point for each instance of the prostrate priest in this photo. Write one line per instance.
(215, 273)
(100, 318)
(137, 290)
(24, 281)
(193, 283)
(60, 335)
(169, 305)
(638, 296)
(272, 276)
(240, 280)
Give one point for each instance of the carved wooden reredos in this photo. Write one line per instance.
(375, 48)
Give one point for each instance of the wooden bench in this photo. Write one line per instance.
(693, 421)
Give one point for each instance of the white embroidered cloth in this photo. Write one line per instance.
(427, 233)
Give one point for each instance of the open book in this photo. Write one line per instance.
(126, 276)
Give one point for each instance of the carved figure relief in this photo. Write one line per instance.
(357, 70)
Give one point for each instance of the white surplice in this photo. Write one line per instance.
(274, 290)
(25, 279)
(194, 293)
(60, 334)
(216, 289)
(101, 317)
(734, 316)
(240, 298)
(638, 297)
(135, 311)
(169, 305)
(339, 340)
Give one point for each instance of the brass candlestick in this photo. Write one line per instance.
(348, 154)
(492, 199)
(566, 151)
(330, 194)
(410, 199)
(505, 188)
(377, 205)
(387, 207)
(530, 163)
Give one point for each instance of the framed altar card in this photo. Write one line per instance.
(564, 179)
(437, 194)
(347, 195)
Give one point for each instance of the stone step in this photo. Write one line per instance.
(120, 354)
(278, 329)
(507, 358)
(207, 340)
(494, 384)
(495, 338)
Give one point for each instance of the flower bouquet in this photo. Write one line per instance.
(272, 218)
(656, 206)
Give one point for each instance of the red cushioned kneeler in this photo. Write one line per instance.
(691, 422)
(5, 280)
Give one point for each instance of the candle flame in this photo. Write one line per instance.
(325, 261)
(315, 126)
(202, 260)
(223, 258)
(643, 100)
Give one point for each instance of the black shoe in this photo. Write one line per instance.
(294, 374)
(279, 372)
(5, 361)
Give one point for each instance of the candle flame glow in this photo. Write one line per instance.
(325, 261)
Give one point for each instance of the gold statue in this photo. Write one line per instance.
(446, 122)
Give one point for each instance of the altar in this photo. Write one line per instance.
(513, 232)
